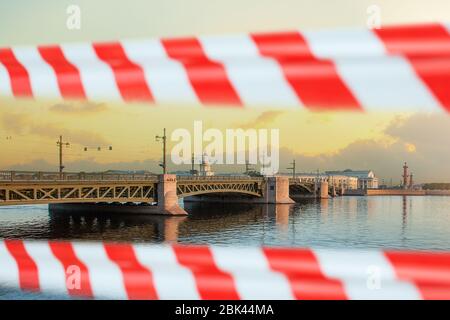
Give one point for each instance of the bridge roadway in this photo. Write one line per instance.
(160, 192)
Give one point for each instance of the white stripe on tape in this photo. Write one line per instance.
(258, 80)
(344, 43)
(5, 82)
(377, 80)
(365, 275)
(9, 271)
(96, 76)
(166, 78)
(447, 26)
(172, 281)
(52, 276)
(252, 274)
(42, 77)
(105, 276)
(386, 83)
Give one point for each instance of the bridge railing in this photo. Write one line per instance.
(106, 176)
(71, 176)
(329, 179)
(218, 178)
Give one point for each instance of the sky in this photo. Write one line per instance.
(324, 141)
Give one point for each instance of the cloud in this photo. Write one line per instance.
(265, 119)
(429, 133)
(78, 108)
(25, 125)
(410, 147)
(14, 123)
(421, 140)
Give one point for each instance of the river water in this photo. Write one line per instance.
(421, 222)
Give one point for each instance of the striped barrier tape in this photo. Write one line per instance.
(138, 271)
(400, 68)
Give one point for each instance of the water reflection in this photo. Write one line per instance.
(364, 222)
(203, 218)
(115, 227)
(404, 214)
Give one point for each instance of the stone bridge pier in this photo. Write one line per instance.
(276, 191)
(273, 190)
(323, 190)
(167, 196)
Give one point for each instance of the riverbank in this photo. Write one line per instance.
(396, 192)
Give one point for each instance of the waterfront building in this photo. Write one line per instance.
(338, 181)
(366, 178)
(346, 182)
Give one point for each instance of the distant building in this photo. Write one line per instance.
(347, 182)
(366, 178)
(205, 168)
(339, 181)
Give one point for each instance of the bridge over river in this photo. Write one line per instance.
(157, 194)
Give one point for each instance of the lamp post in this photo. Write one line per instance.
(292, 168)
(60, 145)
(163, 138)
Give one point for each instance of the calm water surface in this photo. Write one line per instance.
(344, 222)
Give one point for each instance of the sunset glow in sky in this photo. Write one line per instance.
(325, 141)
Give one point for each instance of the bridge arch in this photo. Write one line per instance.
(196, 189)
(219, 192)
(301, 188)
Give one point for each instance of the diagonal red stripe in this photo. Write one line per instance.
(68, 76)
(129, 76)
(428, 49)
(138, 280)
(28, 270)
(417, 40)
(208, 78)
(303, 271)
(65, 253)
(430, 272)
(316, 82)
(20, 80)
(212, 283)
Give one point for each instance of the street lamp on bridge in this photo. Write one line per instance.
(60, 145)
(292, 168)
(163, 138)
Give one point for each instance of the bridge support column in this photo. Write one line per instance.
(333, 191)
(277, 190)
(323, 192)
(167, 196)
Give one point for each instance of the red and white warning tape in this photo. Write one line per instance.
(135, 271)
(402, 68)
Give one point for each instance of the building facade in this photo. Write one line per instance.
(366, 178)
(338, 181)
